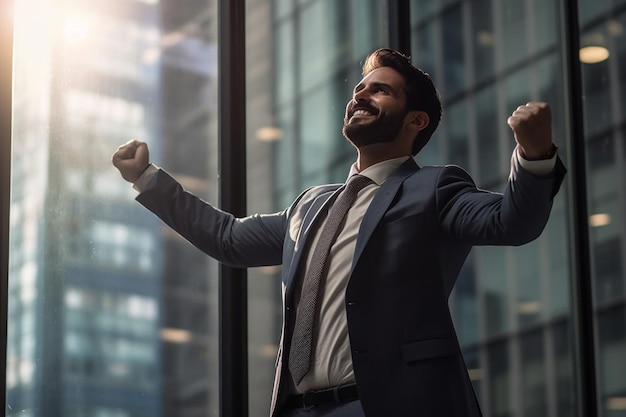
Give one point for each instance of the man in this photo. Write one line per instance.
(367, 330)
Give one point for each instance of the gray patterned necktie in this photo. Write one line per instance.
(302, 339)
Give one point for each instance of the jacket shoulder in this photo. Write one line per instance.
(438, 175)
(310, 194)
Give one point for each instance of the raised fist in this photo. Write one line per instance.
(532, 127)
(131, 159)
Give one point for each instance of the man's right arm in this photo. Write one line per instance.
(251, 241)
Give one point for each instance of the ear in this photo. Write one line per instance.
(417, 120)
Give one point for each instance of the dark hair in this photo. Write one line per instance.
(420, 91)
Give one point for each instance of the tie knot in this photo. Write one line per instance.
(357, 182)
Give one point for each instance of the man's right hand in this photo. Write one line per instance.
(131, 159)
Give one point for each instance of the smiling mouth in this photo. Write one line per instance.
(362, 112)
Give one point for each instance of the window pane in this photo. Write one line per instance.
(298, 85)
(111, 313)
(483, 38)
(603, 28)
(453, 56)
(513, 22)
(507, 301)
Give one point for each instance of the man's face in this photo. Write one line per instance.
(377, 111)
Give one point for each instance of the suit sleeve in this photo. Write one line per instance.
(255, 240)
(477, 217)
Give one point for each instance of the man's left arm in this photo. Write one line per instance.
(477, 217)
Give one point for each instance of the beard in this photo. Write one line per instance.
(383, 129)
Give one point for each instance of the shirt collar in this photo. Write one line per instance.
(381, 171)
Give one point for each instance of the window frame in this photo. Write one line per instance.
(6, 96)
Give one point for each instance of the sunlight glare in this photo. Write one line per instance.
(76, 29)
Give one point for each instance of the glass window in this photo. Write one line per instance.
(598, 108)
(533, 378)
(363, 13)
(507, 300)
(465, 305)
(299, 85)
(453, 54)
(487, 136)
(458, 134)
(500, 378)
(105, 301)
(322, 39)
(420, 9)
(483, 38)
(617, 29)
(320, 128)
(602, 58)
(562, 352)
(514, 39)
(545, 31)
(425, 54)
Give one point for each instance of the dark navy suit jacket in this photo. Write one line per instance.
(412, 242)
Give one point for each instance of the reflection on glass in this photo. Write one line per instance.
(458, 134)
(487, 136)
(533, 374)
(93, 277)
(500, 404)
(514, 23)
(604, 27)
(453, 55)
(483, 38)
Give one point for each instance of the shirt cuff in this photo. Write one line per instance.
(143, 180)
(540, 168)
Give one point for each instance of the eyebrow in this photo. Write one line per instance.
(361, 86)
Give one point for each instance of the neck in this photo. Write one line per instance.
(372, 154)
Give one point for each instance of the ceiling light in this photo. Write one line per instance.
(269, 134)
(529, 307)
(616, 403)
(175, 335)
(600, 219)
(593, 54)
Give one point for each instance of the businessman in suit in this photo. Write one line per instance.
(367, 329)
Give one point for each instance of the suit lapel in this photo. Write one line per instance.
(319, 205)
(379, 205)
(374, 213)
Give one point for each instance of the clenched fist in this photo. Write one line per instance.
(131, 159)
(532, 127)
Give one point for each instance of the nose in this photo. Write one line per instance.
(359, 95)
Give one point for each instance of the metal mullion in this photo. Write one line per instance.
(580, 259)
(6, 107)
(233, 317)
(399, 25)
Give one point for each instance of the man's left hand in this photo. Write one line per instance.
(532, 127)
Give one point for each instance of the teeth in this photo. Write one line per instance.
(361, 113)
